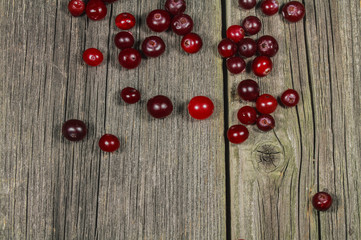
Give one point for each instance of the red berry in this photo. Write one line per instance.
(96, 10)
(235, 33)
(227, 48)
(130, 95)
(93, 57)
(130, 58)
(76, 7)
(182, 24)
(290, 98)
(175, 7)
(247, 115)
(74, 130)
(153, 46)
(237, 134)
(322, 201)
(293, 11)
(125, 21)
(247, 4)
(266, 104)
(251, 25)
(158, 20)
(265, 122)
(109, 143)
(200, 107)
(160, 106)
(192, 43)
(248, 90)
(270, 7)
(124, 40)
(267, 46)
(247, 47)
(236, 65)
(262, 66)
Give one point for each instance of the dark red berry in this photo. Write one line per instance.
(158, 20)
(266, 104)
(227, 48)
(76, 7)
(93, 57)
(153, 46)
(125, 21)
(252, 25)
(293, 11)
(130, 58)
(322, 201)
(130, 95)
(192, 43)
(290, 98)
(262, 66)
(74, 130)
(160, 106)
(247, 47)
(247, 115)
(270, 7)
(236, 65)
(267, 46)
(247, 4)
(200, 107)
(175, 7)
(248, 90)
(109, 143)
(124, 40)
(265, 122)
(96, 10)
(235, 33)
(182, 24)
(237, 134)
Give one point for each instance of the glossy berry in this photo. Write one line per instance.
(235, 33)
(109, 143)
(293, 11)
(266, 104)
(267, 46)
(290, 98)
(236, 65)
(192, 43)
(93, 57)
(158, 20)
(251, 25)
(200, 107)
(160, 106)
(175, 7)
(227, 48)
(96, 10)
(247, 115)
(74, 130)
(125, 21)
(270, 7)
(262, 66)
(182, 24)
(248, 90)
(130, 95)
(153, 46)
(130, 58)
(124, 40)
(76, 7)
(247, 4)
(265, 122)
(322, 201)
(237, 134)
(247, 47)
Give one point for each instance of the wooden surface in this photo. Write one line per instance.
(170, 178)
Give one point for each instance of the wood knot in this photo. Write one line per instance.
(268, 157)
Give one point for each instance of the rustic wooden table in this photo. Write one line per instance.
(177, 178)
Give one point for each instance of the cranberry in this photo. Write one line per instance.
(252, 25)
(130, 95)
(248, 90)
(160, 106)
(270, 7)
(262, 66)
(175, 7)
(237, 134)
(290, 98)
(247, 4)
(236, 65)
(124, 40)
(153, 46)
(109, 143)
(125, 21)
(267, 46)
(158, 20)
(76, 7)
(247, 115)
(200, 107)
(182, 24)
(74, 130)
(247, 47)
(96, 10)
(293, 11)
(265, 122)
(235, 33)
(191, 43)
(227, 48)
(322, 201)
(266, 104)
(93, 57)
(130, 58)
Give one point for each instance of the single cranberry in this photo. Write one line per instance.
(109, 143)
(227, 48)
(322, 201)
(248, 90)
(153, 46)
(125, 21)
(130, 95)
(182, 24)
(247, 115)
(175, 7)
(158, 20)
(270, 7)
(252, 25)
(267, 46)
(247, 4)
(237, 134)
(262, 66)
(200, 107)
(93, 57)
(96, 10)
(160, 106)
(266, 104)
(74, 130)
(124, 40)
(76, 7)
(191, 43)
(235, 33)
(290, 98)
(293, 11)
(265, 122)
(236, 65)
(130, 58)
(247, 47)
